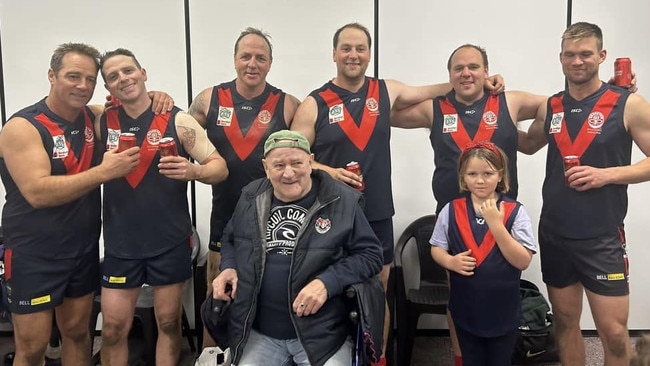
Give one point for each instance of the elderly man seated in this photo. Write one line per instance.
(296, 240)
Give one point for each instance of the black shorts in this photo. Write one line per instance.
(384, 231)
(38, 283)
(600, 264)
(168, 268)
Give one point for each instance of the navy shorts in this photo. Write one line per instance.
(600, 263)
(168, 268)
(39, 283)
(384, 231)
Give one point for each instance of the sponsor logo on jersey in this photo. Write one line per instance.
(336, 114)
(113, 139)
(40, 300)
(556, 123)
(224, 118)
(450, 123)
(60, 150)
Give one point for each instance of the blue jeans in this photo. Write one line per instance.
(263, 350)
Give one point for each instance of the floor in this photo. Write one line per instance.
(426, 351)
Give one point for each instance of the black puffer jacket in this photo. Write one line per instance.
(336, 245)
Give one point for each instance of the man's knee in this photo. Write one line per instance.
(616, 339)
(618, 345)
(77, 334)
(113, 332)
(31, 351)
(171, 327)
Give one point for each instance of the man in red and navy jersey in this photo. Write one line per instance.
(147, 225)
(581, 233)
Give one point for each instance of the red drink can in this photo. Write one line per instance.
(569, 162)
(355, 168)
(127, 141)
(167, 147)
(623, 71)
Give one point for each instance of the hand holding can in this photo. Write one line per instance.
(623, 72)
(126, 141)
(355, 168)
(569, 162)
(167, 147)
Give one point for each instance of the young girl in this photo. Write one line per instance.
(485, 240)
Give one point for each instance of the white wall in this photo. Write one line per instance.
(415, 40)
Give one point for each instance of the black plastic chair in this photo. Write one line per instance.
(431, 295)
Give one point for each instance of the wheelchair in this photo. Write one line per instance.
(366, 308)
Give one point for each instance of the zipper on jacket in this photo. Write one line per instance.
(310, 214)
(246, 329)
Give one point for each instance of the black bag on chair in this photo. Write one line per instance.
(536, 342)
(215, 315)
(367, 314)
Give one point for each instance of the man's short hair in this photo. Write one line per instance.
(358, 26)
(286, 138)
(257, 32)
(582, 30)
(56, 62)
(117, 52)
(469, 45)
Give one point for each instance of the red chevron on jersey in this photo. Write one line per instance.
(589, 129)
(359, 135)
(479, 251)
(73, 165)
(244, 145)
(148, 149)
(485, 129)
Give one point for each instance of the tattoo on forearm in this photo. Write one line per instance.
(189, 136)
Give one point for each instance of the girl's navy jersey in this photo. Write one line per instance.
(238, 128)
(145, 213)
(592, 129)
(355, 126)
(65, 231)
(487, 303)
(455, 125)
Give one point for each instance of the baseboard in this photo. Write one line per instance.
(585, 333)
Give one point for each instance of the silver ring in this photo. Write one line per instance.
(302, 304)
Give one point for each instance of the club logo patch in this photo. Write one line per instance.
(490, 118)
(596, 120)
(264, 116)
(154, 136)
(89, 135)
(372, 104)
(322, 225)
